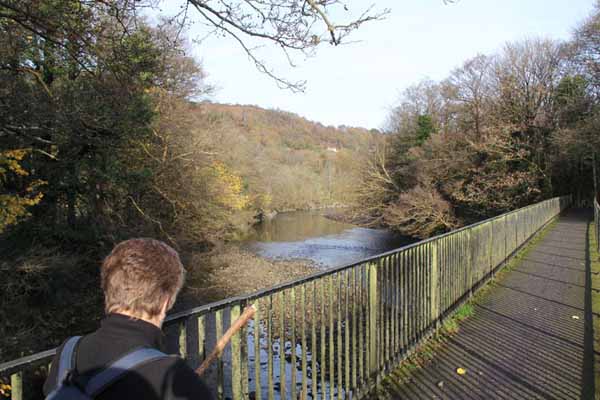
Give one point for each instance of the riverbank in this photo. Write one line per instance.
(232, 271)
(345, 215)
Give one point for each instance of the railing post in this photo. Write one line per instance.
(435, 285)
(16, 386)
(469, 263)
(491, 249)
(236, 357)
(182, 340)
(373, 306)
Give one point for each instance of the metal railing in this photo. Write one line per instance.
(336, 333)
(597, 221)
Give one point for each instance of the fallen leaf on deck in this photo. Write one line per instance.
(461, 371)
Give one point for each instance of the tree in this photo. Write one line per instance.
(494, 147)
(296, 27)
(15, 204)
(424, 128)
(469, 88)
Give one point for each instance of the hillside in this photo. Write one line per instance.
(285, 161)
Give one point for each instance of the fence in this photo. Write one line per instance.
(336, 333)
(597, 220)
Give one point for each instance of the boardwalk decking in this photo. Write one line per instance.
(531, 335)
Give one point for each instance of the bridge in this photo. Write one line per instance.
(373, 329)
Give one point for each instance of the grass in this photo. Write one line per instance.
(426, 352)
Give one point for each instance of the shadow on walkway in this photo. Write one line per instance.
(531, 336)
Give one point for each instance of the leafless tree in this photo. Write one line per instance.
(468, 87)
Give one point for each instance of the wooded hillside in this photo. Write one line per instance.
(285, 161)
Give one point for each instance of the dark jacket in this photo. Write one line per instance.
(169, 378)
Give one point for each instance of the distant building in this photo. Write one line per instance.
(333, 149)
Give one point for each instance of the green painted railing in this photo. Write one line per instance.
(337, 333)
(597, 221)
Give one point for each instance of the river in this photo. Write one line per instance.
(311, 236)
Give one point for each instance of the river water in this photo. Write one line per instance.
(328, 243)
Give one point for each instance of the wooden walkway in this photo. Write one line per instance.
(531, 336)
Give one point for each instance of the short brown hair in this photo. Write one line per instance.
(139, 275)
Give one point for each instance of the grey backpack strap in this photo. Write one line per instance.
(65, 362)
(116, 370)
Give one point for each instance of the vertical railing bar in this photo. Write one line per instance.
(419, 256)
(416, 292)
(313, 341)
(339, 346)
(381, 316)
(395, 289)
(373, 317)
(323, 337)
(413, 296)
(244, 355)
(293, 340)
(236, 361)
(331, 338)
(16, 386)
(387, 316)
(347, 326)
(257, 367)
(406, 296)
(219, 334)
(201, 338)
(304, 382)
(269, 323)
(355, 349)
(182, 339)
(422, 295)
(429, 268)
(282, 360)
(362, 347)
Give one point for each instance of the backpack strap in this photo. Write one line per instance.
(66, 360)
(116, 370)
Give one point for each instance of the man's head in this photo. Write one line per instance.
(141, 278)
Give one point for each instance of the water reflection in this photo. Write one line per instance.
(309, 235)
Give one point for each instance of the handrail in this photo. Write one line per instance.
(351, 323)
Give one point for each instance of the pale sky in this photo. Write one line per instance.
(357, 84)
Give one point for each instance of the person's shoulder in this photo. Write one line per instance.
(51, 380)
(179, 378)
